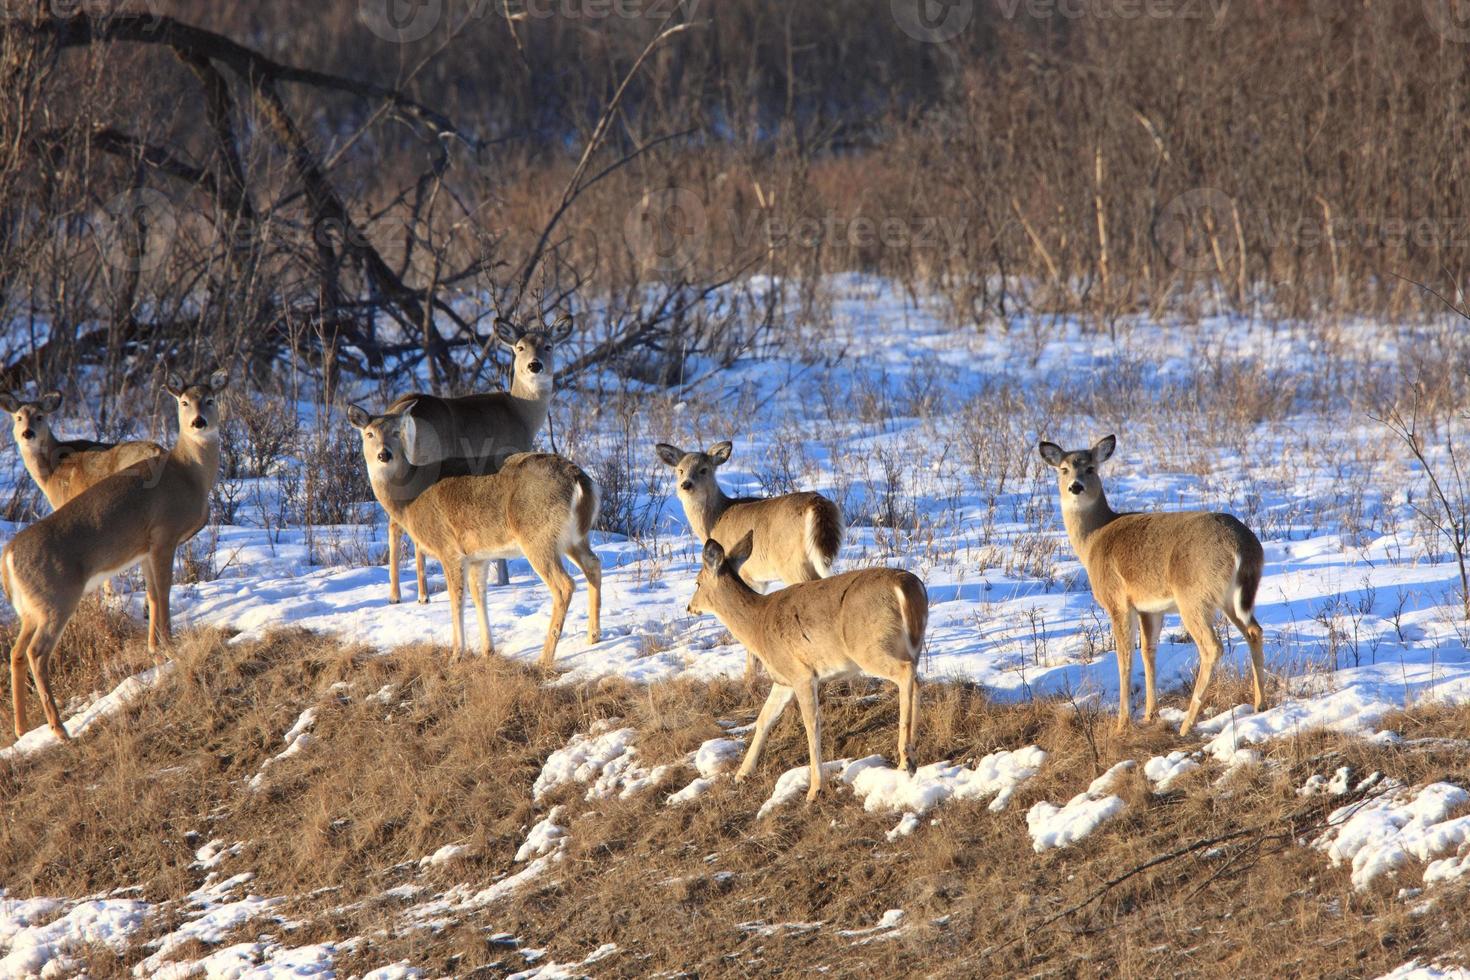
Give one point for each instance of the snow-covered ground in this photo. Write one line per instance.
(925, 434)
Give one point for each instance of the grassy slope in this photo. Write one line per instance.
(453, 756)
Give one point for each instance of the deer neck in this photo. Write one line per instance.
(739, 609)
(1085, 521)
(199, 458)
(531, 401)
(704, 514)
(40, 458)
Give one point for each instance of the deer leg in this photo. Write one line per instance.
(454, 585)
(554, 574)
(586, 559)
(776, 703)
(395, 544)
(502, 572)
(422, 576)
(811, 718)
(18, 675)
(1197, 623)
(1151, 624)
(1254, 638)
(477, 571)
(908, 707)
(39, 654)
(1124, 628)
(160, 578)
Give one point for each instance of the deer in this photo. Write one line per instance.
(480, 429)
(539, 505)
(1144, 565)
(870, 621)
(63, 468)
(799, 534)
(139, 515)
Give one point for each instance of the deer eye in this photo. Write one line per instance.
(704, 471)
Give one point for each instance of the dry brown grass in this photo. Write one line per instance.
(452, 755)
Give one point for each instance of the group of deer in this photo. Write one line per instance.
(459, 477)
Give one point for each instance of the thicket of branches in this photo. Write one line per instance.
(273, 181)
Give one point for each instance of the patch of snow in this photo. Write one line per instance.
(1383, 834)
(130, 690)
(1163, 770)
(604, 757)
(1414, 970)
(297, 738)
(546, 836)
(29, 945)
(445, 854)
(998, 775)
(1052, 826)
(718, 755)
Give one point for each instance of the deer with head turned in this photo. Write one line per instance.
(797, 535)
(63, 468)
(478, 430)
(870, 621)
(139, 515)
(538, 505)
(1141, 566)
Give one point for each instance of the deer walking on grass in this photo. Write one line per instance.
(63, 468)
(481, 430)
(1142, 566)
(538, 505)
(797, 535)
(870, 621)
(137, 516)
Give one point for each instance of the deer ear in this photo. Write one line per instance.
(562, 328)
(9, 402)
(1104, 449)
(219, 380)
(174, 385)
(1051, 453)
(358, 418)
(719, 453)
(739, 554)
(50, 402)
(714, 553)
(408, 431)
(670, 455)
(506, 332)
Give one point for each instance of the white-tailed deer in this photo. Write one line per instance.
(870, 621)
(480, 430)
(63, 468)
(538, 505)
(139, 515)
(797, 535)
(1142, 566)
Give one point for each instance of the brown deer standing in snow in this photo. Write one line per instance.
(481, 430)
(64, 468)
(538, 505)
(870, 621)
(797, 535)
(139, 515)
(1142, 566)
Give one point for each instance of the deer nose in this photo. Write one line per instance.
(686, 486)
(1076, 487)
(384, 456)
(28, 434)
(534, 367)
(200, 422)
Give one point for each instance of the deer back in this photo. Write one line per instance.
(780, 528)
